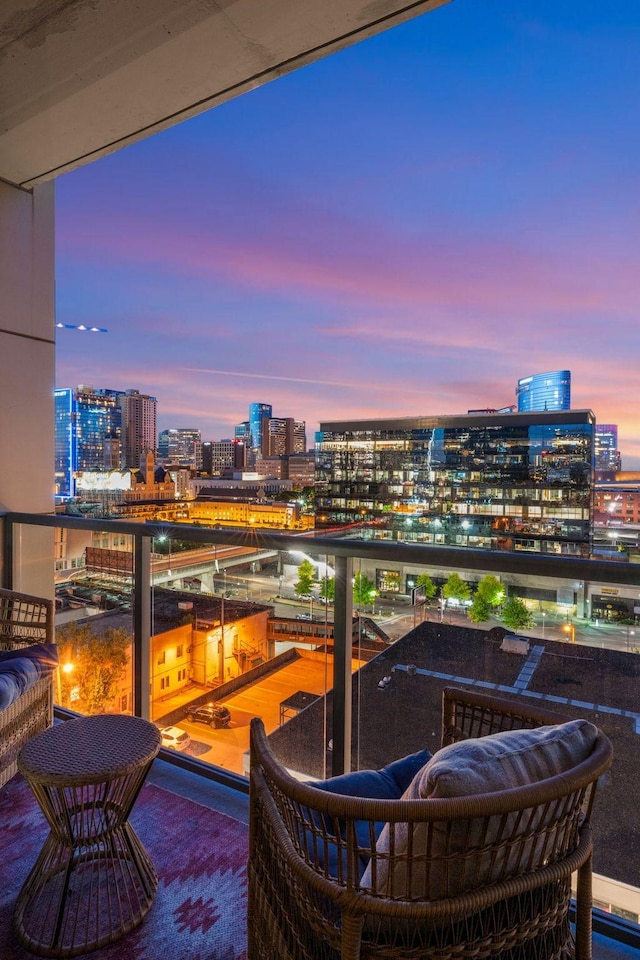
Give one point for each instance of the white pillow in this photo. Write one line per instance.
(428, 861)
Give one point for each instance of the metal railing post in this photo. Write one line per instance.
(342, 668)
(141, 601)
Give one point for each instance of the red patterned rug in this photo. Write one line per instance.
(200, 857)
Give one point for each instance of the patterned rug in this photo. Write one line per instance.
(200, 857)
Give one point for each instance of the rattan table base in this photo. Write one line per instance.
(93, 880)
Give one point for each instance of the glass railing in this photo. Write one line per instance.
(342, 646)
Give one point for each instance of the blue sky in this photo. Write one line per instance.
(404, 228)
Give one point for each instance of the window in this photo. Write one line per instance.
(162, 658)
(180, 650)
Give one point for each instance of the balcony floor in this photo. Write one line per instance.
(236, 805)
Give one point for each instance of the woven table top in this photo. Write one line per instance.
(89, 750)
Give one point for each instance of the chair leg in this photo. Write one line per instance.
(584, 904)
(351, 937)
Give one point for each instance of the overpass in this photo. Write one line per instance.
(173, 569)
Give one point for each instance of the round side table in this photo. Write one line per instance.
(93, 880)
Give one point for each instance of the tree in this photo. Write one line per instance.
(515, 614)
(328, 587)
(490, 590)
(304, 583)
(96, 662)
(364, 591)
(456, 588)
(489, 594)
(425, 581)
(480, 609)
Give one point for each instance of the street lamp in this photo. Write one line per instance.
(164, 538)
(62, 668)
(570, 628)
(544, 615)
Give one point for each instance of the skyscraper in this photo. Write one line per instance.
(544, 391)
(607, 457)
(283, 436)
(180, 445)
(85, 417)
(138, 427)
(257, 413)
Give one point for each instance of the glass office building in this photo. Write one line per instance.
(607, 456)
(510, 482)
(84, 417)
(544, 391)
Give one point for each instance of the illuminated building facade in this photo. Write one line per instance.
(180, 445)
(607, 458)
(514, 482)
(544, 391)
(138, 427)
(85, 419)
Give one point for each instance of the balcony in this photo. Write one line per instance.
(349, 719)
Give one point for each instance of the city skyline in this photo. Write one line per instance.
(405, 228)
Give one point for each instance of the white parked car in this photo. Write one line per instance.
(175, 737)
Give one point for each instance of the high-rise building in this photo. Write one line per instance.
(511, 482)
(87, 426)
(544, 391)
(138, 427)
(257, 413)
(218, 455)
(283, 436)
(607, 455)
(180, 445)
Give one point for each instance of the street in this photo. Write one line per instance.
(397, 617)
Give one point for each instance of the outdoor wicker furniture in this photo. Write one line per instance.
(24, 620)
(483, 875)
(93, 880)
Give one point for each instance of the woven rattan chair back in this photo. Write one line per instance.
(500, 863)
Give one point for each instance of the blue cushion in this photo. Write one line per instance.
(9, 690)
(389, 783)
(22, 667)
(44, 655)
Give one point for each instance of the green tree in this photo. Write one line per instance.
(489, 594)
(490, 590)
(480, 609)
(424, 580)
(515, 614)
(328, 587)
(364, 591)
(96, 662)
(456, 588)
(304, 583)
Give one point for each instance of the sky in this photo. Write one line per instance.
(404, 228)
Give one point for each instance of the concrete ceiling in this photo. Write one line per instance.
(82, 78)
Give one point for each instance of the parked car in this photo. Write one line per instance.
(175, 737)
(215, 714)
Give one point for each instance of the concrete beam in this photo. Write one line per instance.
(81, 78)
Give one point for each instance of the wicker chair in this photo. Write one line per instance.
(300, 910)
(24, 620)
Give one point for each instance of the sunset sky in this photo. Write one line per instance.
(404, 228)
